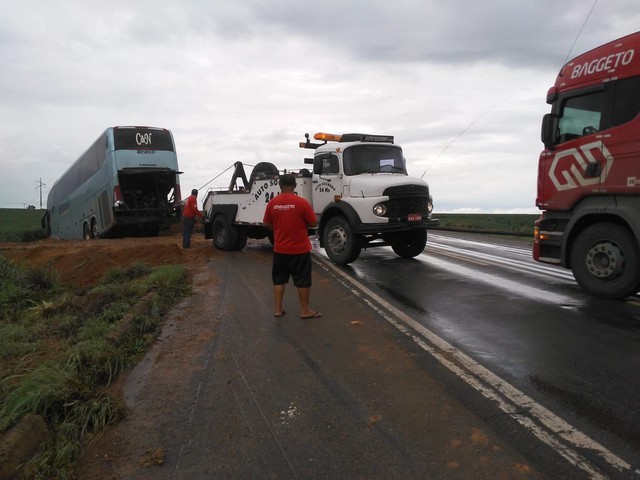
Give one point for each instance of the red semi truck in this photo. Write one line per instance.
(589, 170)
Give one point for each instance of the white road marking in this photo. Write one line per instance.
(550, 429)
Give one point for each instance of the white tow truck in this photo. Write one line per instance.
(359, 189)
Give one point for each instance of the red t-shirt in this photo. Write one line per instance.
(290, 216)
(190, 209)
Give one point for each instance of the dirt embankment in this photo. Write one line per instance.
(82, 263)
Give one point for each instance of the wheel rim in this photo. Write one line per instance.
(605, 260)
(221, 236)
(337, 239)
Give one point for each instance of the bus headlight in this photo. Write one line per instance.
(380, 210)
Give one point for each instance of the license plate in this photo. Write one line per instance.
(414, 217)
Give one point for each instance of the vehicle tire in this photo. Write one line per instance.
(410, 244)
(604, 260)
(224, 235)
(94, 228)
(340, 243)
(86, 231)
(241, 239)
(262, 170)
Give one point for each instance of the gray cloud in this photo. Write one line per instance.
(245, 80)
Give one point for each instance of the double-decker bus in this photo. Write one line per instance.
(126, 183)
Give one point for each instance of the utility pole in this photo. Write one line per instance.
(40, 185)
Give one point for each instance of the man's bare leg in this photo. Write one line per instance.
(305, 311)
(278, 295)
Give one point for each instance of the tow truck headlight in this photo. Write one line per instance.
(430, 207)
(119, 204)
(380, 210)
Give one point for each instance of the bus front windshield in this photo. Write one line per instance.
(361, 159)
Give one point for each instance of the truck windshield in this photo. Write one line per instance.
(360, 159)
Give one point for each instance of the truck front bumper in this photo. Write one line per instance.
(382, 228)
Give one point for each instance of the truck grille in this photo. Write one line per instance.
(407, 199)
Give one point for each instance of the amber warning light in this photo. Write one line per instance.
(327, 137)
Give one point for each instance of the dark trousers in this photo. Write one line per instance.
(187, 231)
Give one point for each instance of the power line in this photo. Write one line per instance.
(456, 138)
(581, 29)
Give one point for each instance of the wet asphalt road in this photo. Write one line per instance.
(531, 326)
(468, 362)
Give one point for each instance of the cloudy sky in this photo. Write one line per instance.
(460, 83)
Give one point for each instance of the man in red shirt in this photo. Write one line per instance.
(189, 213)
(290, 217)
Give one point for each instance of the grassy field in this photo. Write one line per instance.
(517, 224)
(20, 224)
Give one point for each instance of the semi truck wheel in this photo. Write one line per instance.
(225, 236)
(604, 260)
(340, 243)
(411, 244)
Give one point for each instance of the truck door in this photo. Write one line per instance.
(580, 160)
(327, 180)
(621, 142)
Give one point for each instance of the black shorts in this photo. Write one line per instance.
(296, 266)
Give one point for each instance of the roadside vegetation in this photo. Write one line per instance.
(21, 224)
(511, 224)
(60, 350)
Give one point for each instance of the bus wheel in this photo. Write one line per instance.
(225, 236)
(94, 228)
(86, 231)
(604, 260)
(340, 243)
(410, 244)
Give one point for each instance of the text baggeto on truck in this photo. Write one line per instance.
(359, 189)
(589, 171)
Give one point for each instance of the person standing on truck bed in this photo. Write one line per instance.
(290, 217)
(189, 214)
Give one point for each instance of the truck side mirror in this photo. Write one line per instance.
(549, 130)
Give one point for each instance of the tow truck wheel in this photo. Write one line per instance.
(410, 244)
(241, 239)
(224, 236)
(340, 243)
(604, 260)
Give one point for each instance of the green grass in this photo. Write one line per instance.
(20, 224)
(56, 354)
(508, 224)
